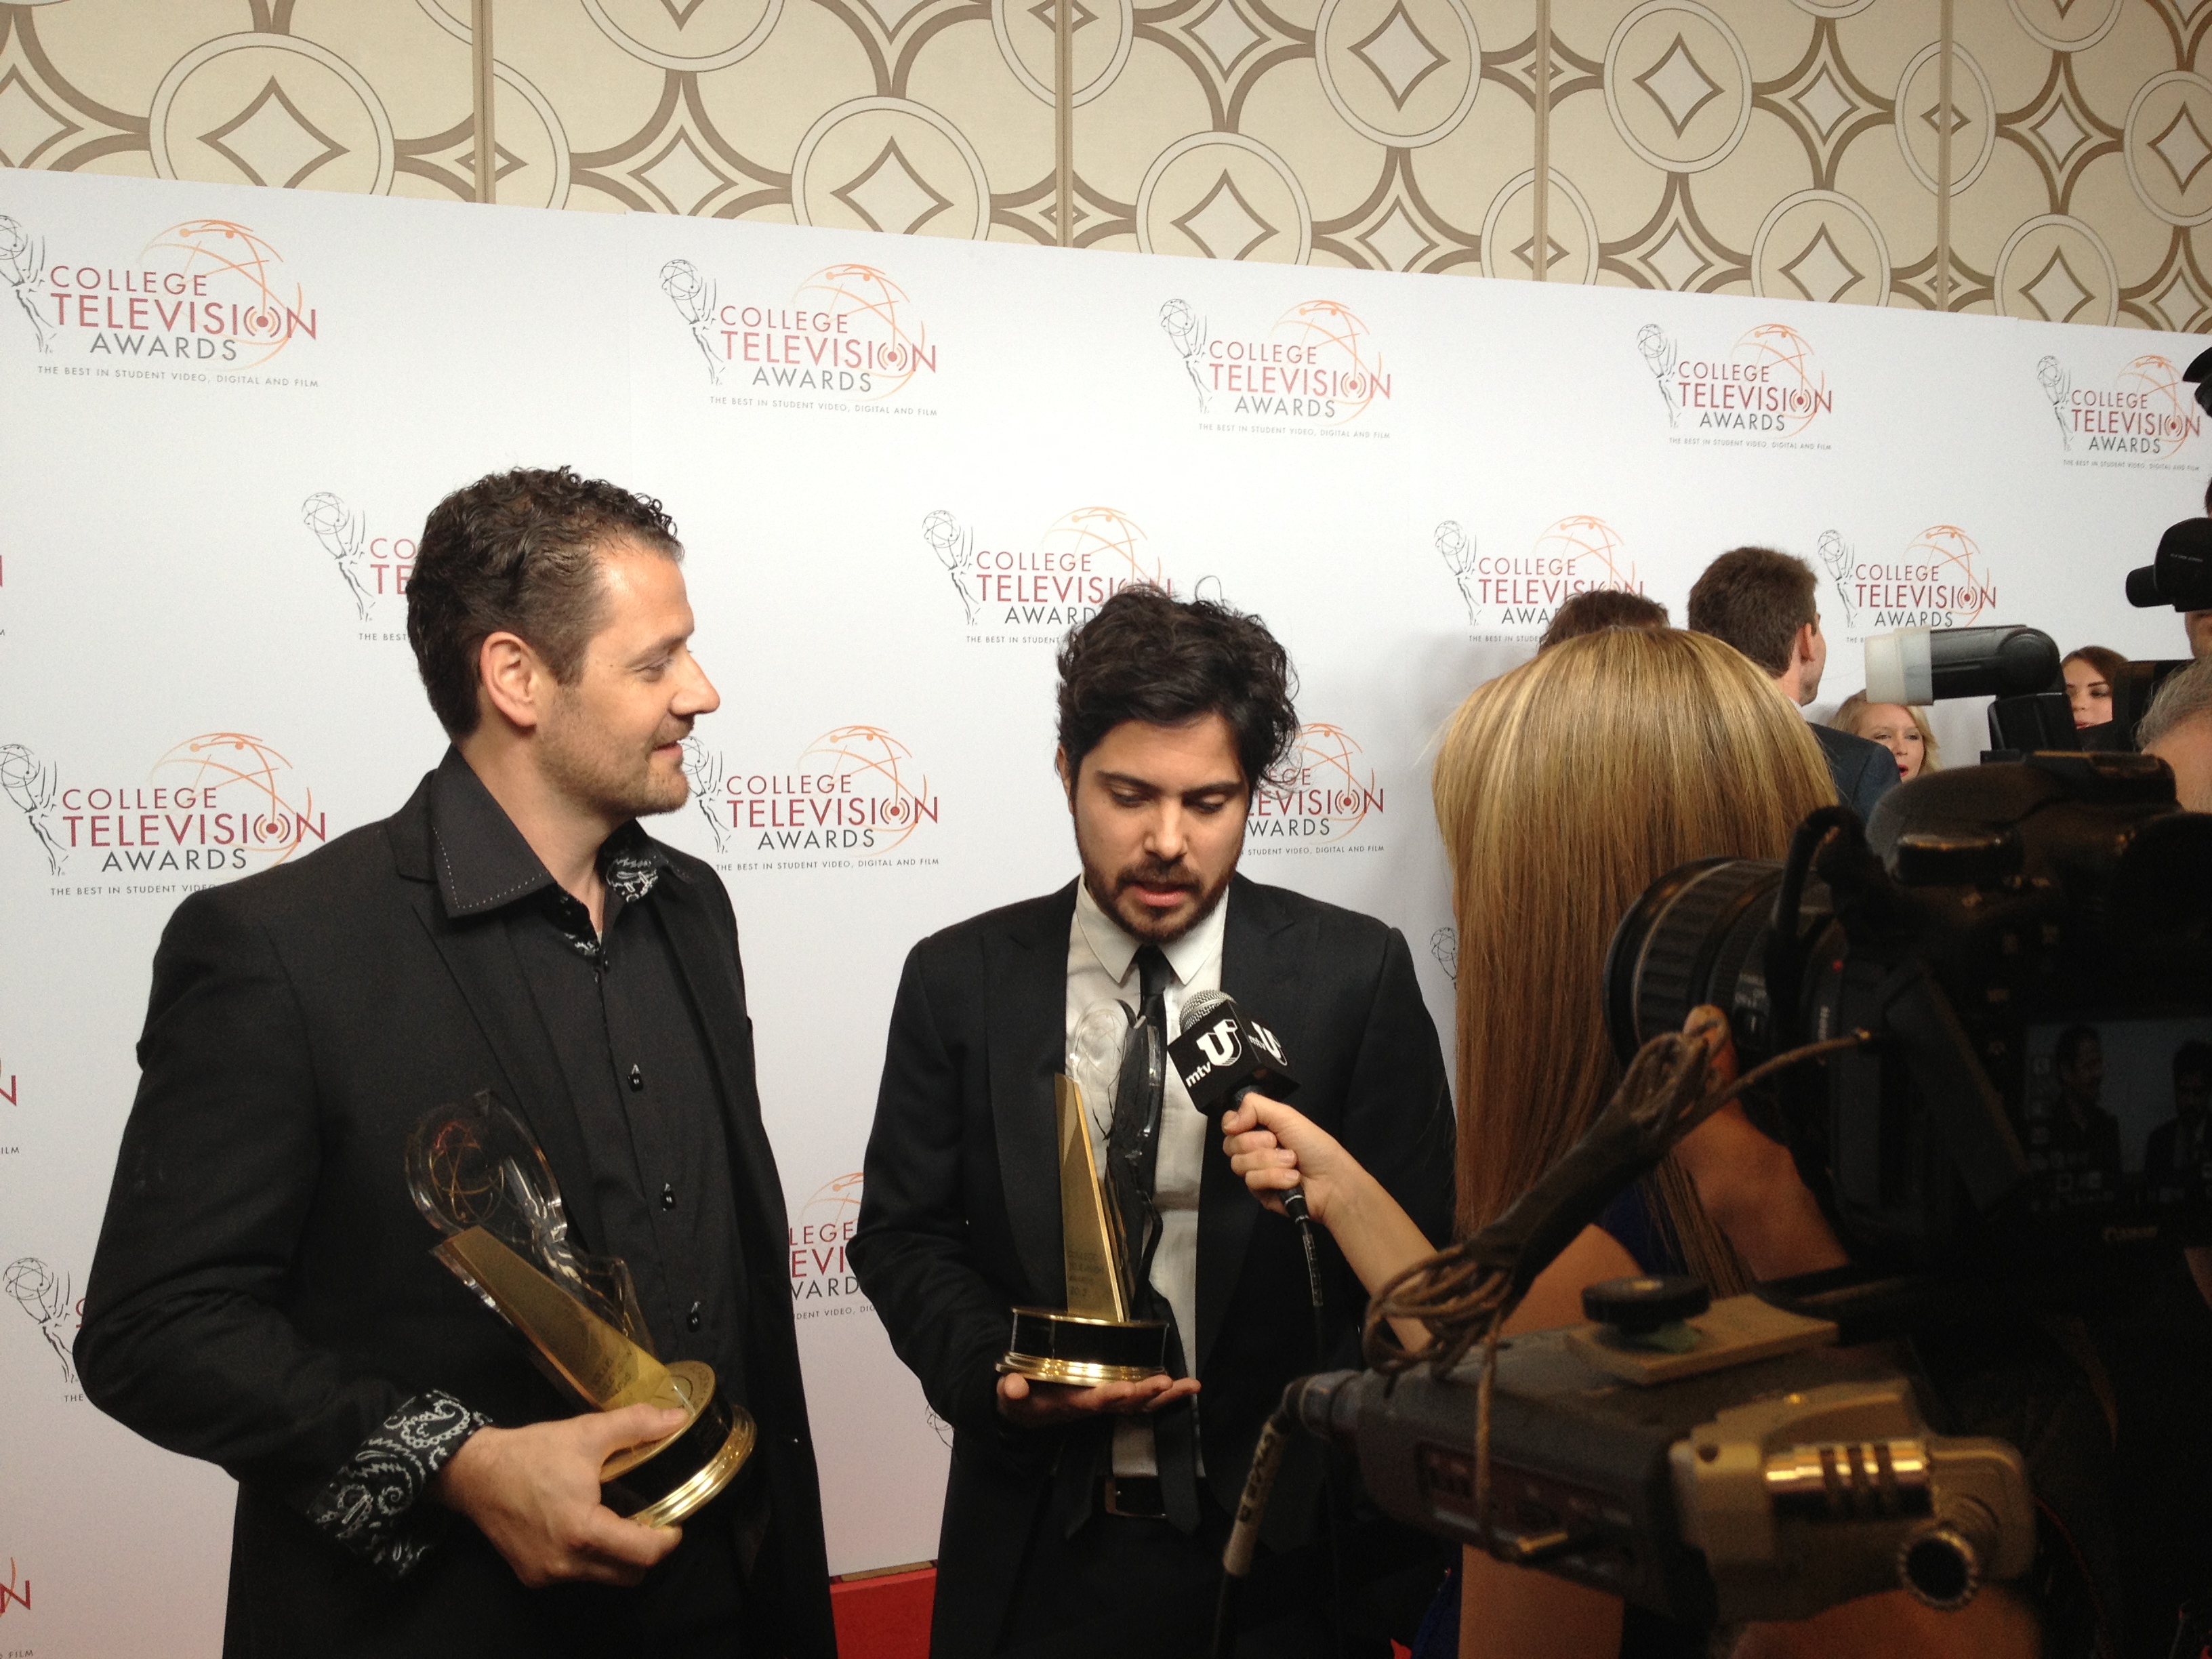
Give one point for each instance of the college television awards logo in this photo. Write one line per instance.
(18, 1593)
(211, 293)
(374, 569)
(847, 328)
(1942, 580)
(1317, 365)
(215, 805)
(1056, 582)
(1768, 383)
(822, 1280)
(1520, 592)
(1330, 793)
(2147, 412)
(44, 1294)
(855, 790)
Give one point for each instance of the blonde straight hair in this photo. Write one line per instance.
(1564, 789)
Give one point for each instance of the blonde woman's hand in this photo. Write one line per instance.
(1275, 1148)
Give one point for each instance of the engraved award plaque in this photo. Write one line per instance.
(1093, 1340)
(480, 1179)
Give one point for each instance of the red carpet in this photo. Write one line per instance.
(886, 1615)
(883, 1615)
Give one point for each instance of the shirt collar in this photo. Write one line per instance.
(483, 864)
(1116, 947)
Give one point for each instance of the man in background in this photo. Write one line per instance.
(264, 1295)
(2179, 1148)
(1597, 609)
(2199, 622)
(1763, 603)
(2077, 1136)
(2176, 727)
(1090, 1521)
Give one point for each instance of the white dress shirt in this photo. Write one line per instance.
(1101, 966)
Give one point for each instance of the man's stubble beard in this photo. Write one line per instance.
(1102, 893)
(592, 772)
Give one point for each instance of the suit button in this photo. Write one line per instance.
(636, 1081)
(691, 1319)
(668, 1195)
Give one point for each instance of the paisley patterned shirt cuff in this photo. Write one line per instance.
(374, 1506)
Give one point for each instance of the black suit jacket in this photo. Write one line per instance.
(264, 1295)
(1863, 770)
(960, 1212)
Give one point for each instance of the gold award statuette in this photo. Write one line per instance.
(480, 1179)
(1094, 1339)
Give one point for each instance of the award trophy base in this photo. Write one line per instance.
(1049, 1346)
(661, 1482)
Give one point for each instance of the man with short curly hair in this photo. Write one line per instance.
(1082, 1520)
(264, 1295)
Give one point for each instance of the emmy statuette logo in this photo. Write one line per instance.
(23, 268)
(44, 1295)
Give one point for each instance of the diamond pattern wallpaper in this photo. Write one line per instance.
(2048, 159)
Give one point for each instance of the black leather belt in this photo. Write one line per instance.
(1132, 1497)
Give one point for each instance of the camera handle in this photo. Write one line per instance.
(1796, 1500)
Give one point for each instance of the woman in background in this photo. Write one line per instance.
(2089, 674)
(1898, 727)
(1564, 789)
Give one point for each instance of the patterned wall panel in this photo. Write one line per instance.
(365, 95)
(1789, 148)
(1746, 146)
(902, 116)
(1375, 133)
(2085, 175)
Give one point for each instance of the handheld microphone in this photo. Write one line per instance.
(1223, 1055)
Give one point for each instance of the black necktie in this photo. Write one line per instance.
(1143, 1084)
(1144, 1062)
(1133, 1142)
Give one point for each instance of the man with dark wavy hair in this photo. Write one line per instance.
(1090, 1519)
(264, 1296)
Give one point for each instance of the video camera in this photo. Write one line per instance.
(2025, 950)
(2023, 940)
(2019, 666)
(2020, 954)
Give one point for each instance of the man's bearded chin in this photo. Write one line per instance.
(1136, 920)
(677, 789)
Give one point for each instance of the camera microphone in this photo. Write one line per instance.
(1222, 1055)
(1926, 664)
(2181, 574)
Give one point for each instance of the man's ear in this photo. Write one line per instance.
(512, 679)
(1801, 647)
(1067, 776)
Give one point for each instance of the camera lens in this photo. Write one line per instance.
(1697, 936)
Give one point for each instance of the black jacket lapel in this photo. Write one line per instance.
(481, 958)
(1026, 1045)
(1262, 948)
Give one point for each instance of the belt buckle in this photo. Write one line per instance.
(1133, 1497)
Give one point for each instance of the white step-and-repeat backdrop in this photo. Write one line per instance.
(901, 468)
